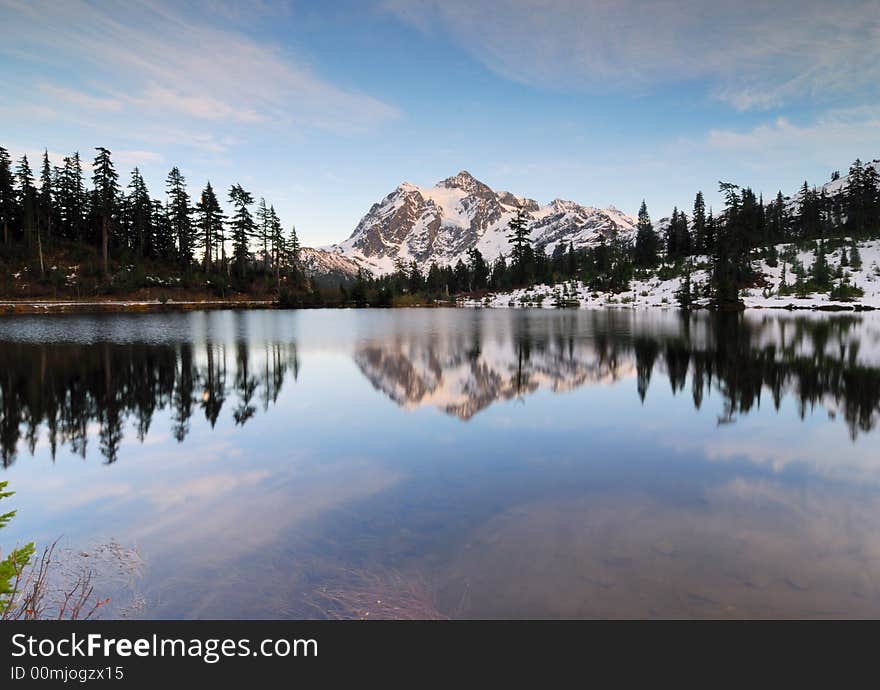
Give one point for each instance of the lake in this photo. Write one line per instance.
(437, 463)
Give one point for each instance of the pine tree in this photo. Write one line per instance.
(701, 241)
(71, 199)
(292, 246)
(163, 234)
(647, 242)
(870, 188)
(730, 251)
(855, 257)
(179, 213)
(210, 222)
(242, 227)
(106, 197)
(521, 245)
(479, 269)
(27, 202)
(8, 202)
(276, 245)
(777, 221)
(854, 198)
(820, 273)
(678, 237)
(139, 208)
(46, 201)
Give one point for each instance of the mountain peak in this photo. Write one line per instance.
(463, 180)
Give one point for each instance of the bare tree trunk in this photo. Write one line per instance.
(40, 250)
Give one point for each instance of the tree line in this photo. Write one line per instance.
(128, 226)
(208, 246)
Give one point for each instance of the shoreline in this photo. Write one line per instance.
(18, 307)
(56, 306)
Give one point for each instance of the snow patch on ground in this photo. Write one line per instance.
(656, 293)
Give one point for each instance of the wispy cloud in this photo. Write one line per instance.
(754, 54)
(151, 58)
(80, 98)
(832, 139)
(136, 157)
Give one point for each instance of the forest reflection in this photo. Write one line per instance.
(69, 392)
(67, 388)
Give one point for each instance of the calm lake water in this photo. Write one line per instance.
(453, 463)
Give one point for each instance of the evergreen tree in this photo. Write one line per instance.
(27, 196)
(810, 213)
(163, 233)
(292, 247)
(777, 221)
(479, 269)
(521, 245)
(8, 202)
(678, 237)
(139, 212)
(210, 219)
(242, 227)
(700, 238)
(72, 199)
(730, 252)
(647, 242)
(276, 245)
(461, 278)
(855, 257)
(106, 197)
(820, 273)
(179, 213)
(46, 201)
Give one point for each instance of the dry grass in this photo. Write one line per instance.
(60, 584)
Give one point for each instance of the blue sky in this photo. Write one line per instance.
(324, 107)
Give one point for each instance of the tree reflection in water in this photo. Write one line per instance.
(67, 387)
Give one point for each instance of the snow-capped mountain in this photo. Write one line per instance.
(441, 223)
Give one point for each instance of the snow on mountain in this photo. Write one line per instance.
(833, 187)
(322, 264)
(441, 223)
